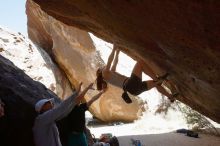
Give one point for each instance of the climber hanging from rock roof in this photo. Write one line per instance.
(133, 84)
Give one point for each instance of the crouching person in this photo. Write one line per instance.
(45, 130)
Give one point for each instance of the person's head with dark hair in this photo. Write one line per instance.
(43, 105)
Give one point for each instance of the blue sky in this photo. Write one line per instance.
(13, 16)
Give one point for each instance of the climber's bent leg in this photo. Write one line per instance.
(137, 70)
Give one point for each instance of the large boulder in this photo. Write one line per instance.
(75, 53)
(19, 92)
(180, 37)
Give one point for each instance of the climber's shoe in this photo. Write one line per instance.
(184, 131)
(173, 97)
(126, 98)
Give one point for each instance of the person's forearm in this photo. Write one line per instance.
(82, 94)
(63, 108)
(73, 101)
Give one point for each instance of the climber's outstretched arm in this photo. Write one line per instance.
(115, 62)
(110, 58)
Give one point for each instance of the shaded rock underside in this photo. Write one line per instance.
(16, 88)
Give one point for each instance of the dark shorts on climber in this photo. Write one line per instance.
(134, 86)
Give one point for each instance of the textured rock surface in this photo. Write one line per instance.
(182, 37)
(75, 53)
(19, 93)
(34, 61)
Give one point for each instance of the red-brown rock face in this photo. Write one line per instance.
(75, 53)
(181, 37)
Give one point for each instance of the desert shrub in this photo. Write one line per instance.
(197, 121)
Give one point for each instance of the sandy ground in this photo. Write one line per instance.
(170, 139)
